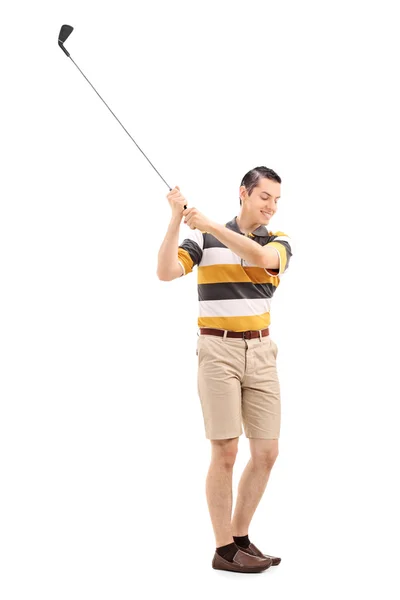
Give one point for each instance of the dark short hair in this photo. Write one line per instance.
(251, 179)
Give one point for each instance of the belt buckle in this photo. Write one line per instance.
(246, 335)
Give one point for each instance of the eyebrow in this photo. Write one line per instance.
(263, 192)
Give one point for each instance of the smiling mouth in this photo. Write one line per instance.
(266, 213)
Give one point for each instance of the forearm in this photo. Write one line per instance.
(241, 245)
(168, 253)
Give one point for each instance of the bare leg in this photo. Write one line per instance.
(253, 483)
(219, 488)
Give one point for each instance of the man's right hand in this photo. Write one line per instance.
(176, 201)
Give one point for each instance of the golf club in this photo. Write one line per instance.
(64, 34)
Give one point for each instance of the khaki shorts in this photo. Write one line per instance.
(238, 381)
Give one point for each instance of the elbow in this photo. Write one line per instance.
(163, 276)
(166, 274)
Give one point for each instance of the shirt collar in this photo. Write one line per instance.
(260, 231)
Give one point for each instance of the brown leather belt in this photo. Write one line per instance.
(246, 335)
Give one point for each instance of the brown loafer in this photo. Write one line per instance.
(252, 550)
(243, 562)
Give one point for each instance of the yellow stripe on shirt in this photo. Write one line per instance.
(282, 253)
(186, 260)
(255, 322)
(234, 274)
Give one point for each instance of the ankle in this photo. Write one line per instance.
(239, 531)
(242, 541)
(228, 551)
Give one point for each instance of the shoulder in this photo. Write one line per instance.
(194, 235)
(278, 236)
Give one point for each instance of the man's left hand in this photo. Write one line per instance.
(196, 220)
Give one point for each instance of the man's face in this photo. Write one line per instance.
(262, 203)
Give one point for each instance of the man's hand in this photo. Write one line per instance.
(196, 220)
(176, 201)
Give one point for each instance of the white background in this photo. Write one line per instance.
(102, 449)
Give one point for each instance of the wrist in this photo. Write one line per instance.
(176, 219)
(213, 227)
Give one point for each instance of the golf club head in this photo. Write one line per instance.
(64, 34)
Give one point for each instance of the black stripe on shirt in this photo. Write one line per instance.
(193, 249)
(235, 291)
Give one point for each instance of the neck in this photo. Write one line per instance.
(246, 225)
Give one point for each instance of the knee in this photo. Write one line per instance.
(265, 459)
(224, 452)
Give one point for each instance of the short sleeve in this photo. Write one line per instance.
(190, 250)
(282, 244)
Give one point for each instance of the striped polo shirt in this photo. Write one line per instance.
(233, 294)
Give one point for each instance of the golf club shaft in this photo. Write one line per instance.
(169, 187)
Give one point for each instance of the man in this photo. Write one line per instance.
(239, 268)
